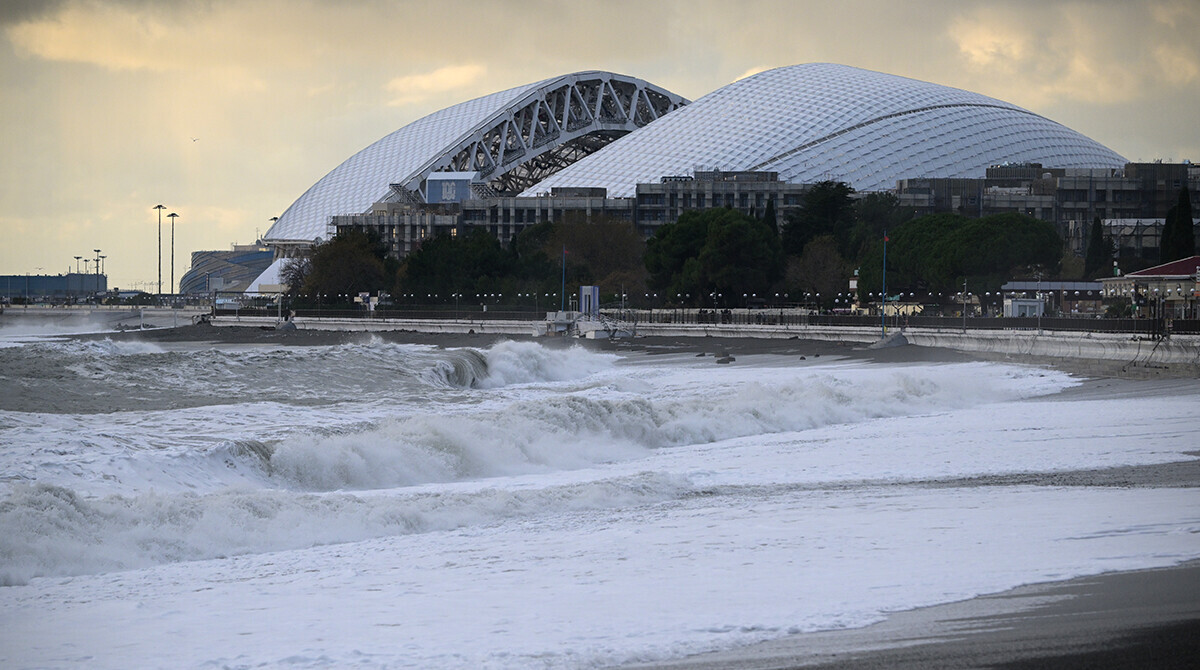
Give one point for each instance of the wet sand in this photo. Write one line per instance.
(1138, 619)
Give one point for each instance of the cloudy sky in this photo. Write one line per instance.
(226, 111)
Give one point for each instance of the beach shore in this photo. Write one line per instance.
(1138, 619)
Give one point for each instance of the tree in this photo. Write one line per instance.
(670, 250)
(819, 270)
(602, 251)
(295, 273)
(715, 250)
(769, 219)
(740, 256)
(473, 262)
(874, 214)
(1178, 236)
(826, 209)
(352, 262)
(935, 253)
(1099, 256)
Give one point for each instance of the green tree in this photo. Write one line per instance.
(601, 251)
(826, 209)
(352, 262)
(670, 250)
(1178, 236)
(875, 214)
(473, 262)
(935, 253)
(819, 270)
(716, 250)
(740, 256)
(769, 218)
(1098, 256)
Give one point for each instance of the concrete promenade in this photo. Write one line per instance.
(1181, 352)
(110, 317)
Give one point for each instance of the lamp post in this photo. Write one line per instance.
(1040, 305)
(96, 267)
(883, 293)
(172, 216)
(160, 208)
(964, 305)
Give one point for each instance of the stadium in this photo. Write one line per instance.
(600, 130)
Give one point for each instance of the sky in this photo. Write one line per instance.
(226, 111)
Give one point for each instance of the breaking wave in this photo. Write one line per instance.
(112, 376)
(595, 426)
(52, 531)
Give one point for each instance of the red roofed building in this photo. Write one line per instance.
(1171, 289)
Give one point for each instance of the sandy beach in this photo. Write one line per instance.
(1139, 619)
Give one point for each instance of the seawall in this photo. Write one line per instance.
(1179, 354)
(102, 317)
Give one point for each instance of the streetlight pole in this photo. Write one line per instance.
(883, 303)
(964, 305)
(96, 267)
(172, 216)
(160, 208)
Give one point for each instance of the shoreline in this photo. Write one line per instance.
(707, 343)
(1125, 619)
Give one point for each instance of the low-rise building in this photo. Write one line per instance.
(1168, 290)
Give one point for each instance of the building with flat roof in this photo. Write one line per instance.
(70, 287)
(1167, 290)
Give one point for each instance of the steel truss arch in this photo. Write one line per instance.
(549, 128)
(511, 139)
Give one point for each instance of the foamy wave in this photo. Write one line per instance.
(528, 362)
(597, 426)
(52, 531)
(131, 375)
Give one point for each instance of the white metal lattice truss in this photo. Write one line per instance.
(823, 121)
(512, 139)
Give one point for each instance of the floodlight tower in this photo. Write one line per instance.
(160, 208)
(172, 216)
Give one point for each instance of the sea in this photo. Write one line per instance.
(531, 504)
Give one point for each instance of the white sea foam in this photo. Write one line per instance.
(52, 531)
(522, 506)
(559, 430)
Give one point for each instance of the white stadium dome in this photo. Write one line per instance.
(821, 121)
(808, 123)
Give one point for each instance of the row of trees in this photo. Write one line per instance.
(702, 255)
(1178, 241)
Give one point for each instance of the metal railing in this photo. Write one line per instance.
(740, 317)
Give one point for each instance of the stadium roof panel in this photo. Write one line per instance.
(512, 138)
(822, 121)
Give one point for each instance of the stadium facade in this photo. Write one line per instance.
(602, 143)
(231, 270)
